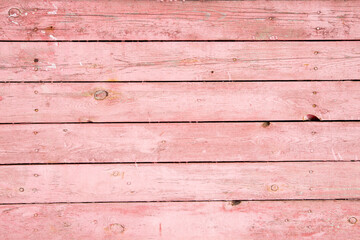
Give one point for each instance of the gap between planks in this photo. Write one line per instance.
(230, 201)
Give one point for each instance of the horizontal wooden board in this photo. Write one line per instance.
(175, 182)
(185, 142)
(178, 61)
(149, 102)
(179, 20)
(183, 220)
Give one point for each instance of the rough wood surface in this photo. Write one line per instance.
(205, 142)
(174, 182)
(178, 20)
(178, 61)
(196, 220)
(147, 102)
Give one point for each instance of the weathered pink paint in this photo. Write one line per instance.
(179, 20)
(185, 142)
(175, 182)
(66, 201)
(179, 220)
(180, 61)
(151, 102)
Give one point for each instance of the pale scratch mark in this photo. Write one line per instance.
(52, 66)
(229, 76)
(52, 37)
(223, 15)
(80, 63)
(14, 22)
(334, 155)
(54, 11)
(340, 156)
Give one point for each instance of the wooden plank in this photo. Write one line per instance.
(178, 61)
(178, 182)
(179, 20)
(64, 143)
(183, 220)
(147, 102)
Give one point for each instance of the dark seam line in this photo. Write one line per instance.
(189, 201)
(183, 81)
(180, 162)
(180, 122)
(308, 40)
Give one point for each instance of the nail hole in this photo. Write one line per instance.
(36, 92)
(318, 28)
(65, 130)
(21, 189)
(314, 92)
(36, 175)
(310, 117)
(212, 71)
(101, 94)
(235, 202)
(315, 68)
(316, 52)
(35, 69)
(266, 124)
(36, 60)
(36, 110)
(35, 29)
(35, 132)
(314, 105)
(234, 59)
(311, 171)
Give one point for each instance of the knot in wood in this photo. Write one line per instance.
(14, 12)
(101, 94)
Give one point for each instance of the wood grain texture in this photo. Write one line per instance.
(147, 102)
(182, 220)
(178, 20)
(178, 61)
(174, 182)
(185, 142)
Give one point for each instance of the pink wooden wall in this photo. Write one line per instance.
(179, 119)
